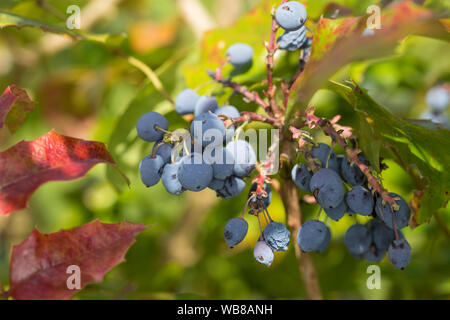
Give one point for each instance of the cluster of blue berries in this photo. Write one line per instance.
(274, 237)
(437, 98)
(291, 16)
(205, 157)
(211, 156)
(340, 187)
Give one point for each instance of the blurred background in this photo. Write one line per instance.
(86, 90)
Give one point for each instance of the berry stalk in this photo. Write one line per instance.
(327, 127)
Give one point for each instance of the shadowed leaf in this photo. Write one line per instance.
(38, 268)
(421, 151)
(14, 107)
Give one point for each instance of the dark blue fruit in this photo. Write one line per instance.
(301, 176)
(328, 188)
(399, 253)
(194, 174)
(277, 236)
(312, 235)
(170, 178)
(384, 212)
(357, 239)
(360, 200)
(146, 126)
(235, 231)
(291, 15)
(185, 101)
(233, 186)
(151, 169)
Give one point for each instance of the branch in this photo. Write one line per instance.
(272, 47)
(328, 129)
(304, 57)
(298, 134)
(250, 96)
(290, 200)
(251, 116)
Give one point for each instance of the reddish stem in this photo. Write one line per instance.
(327, 127)
(272, 47)
(250, 96)
(251, 116)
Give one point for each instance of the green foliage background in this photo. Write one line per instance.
(86, 90)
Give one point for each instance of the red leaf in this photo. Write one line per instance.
(14, 106)
(52, 157)
(38, 268)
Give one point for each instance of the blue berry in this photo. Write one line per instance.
(228, 111)
(360, 200)
(277, 236)
(312, 235)
(223, 163)
(357, 239)
(146, 126)
(329, 188)
(324, 245)
(194, 174)
(374, 254)
(164, 150)
(401, 216)
(438, 99)
(291, 15)
(382, 236)
(216, 184)
(205, 104)
(233, 187)
(235, 231)
(185, 102)
(170, 178)
(244, 157)
(338, 212)
(351, 173)
(151, 169)
(208, 127)
(293, 40)
(263, 253)
(301, 176)
(240, 54)
(399, 253)
(326, 156)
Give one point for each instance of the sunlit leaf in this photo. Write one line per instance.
(339, 42)
(52, 157)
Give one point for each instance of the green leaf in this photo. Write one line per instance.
(253, 29)
(422, 151)
(124, 135)
(8, 19)
(334, 43)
